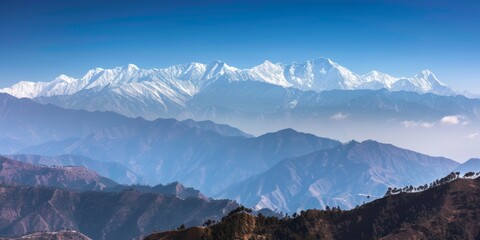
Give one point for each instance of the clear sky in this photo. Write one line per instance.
(41, 39)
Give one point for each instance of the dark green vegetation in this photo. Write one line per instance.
(447, 211)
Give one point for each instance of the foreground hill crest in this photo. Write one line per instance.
(447, 211)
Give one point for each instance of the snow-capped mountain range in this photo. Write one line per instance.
(179, 83)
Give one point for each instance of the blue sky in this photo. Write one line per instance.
(42, 39)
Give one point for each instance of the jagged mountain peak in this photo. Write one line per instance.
(195, 66)
(324, 60)
(430, 76)
(269, 72)
(218, 69)
(374, 75)
(132, 67)
(179, 83)
(64, 78)
(426, 73)
(269, 64)
(217, 64)
(377, 80)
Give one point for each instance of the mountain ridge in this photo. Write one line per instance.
(179, 82)
(115, 171)
(127, 214)
(14, 172)
(343, 176)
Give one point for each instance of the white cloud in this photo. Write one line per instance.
(473, 135)
(447, 120)
(452, 120)
(338, 116)
(413, 124)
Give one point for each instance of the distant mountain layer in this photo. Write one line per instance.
(449, 211)
(165, 150)
(76, 178)
(112, 170)
(221, 161)
(201, 159)
(471, 165)
(101, 215)
(171, 189)
(18, 173)
(344, 176)
(60, 235)
(24, 122)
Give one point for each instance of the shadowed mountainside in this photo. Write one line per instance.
(101, 215)
(344, 176)
(165, 150)
(76, 178)
(61, 235)
(191, 156)
(112, 170)
(24, 122)
(174, 189)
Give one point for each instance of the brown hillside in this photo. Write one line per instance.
(449, 211)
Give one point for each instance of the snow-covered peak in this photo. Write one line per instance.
(324, 61)
(321, 74)
(426, 72)
(64, 78)
(92, 72)
(193, 71)
(429, 76)
(270, 73)
(185, 80)
(195, 66)
(381, 78)
(132, 67)
(426, 80)
(24, 89)
(375, 76)
(217, 69)
(268, 65)
(221, 66)
(423, 82)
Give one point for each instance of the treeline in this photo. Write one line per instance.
(450, 177)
